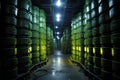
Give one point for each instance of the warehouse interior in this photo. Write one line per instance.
(59, 40)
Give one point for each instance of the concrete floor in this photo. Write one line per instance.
(59, 68)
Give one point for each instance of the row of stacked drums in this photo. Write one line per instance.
(66, 41)
(19, 38)
(114, 12)
(101, 38)
(74, 38)
(39, 35)
(49, 46)
(35, 35)
(92, 38)
(43, 37)
(77, 38)
(8, 39)
(24, 35)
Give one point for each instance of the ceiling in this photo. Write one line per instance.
(68, 9)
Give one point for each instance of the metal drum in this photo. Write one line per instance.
(24, 35)
(8, 13)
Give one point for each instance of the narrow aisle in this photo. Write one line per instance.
(59, 68)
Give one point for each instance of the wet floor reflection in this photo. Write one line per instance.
(57, 62)
(60, 68)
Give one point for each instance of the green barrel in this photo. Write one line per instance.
(114, 9)
(49, 43)
(35, 35)
(105, 40)
(115, 39)
(115, 53)
(95, 31)
(106, 52)
(114, 26)
(24, 35)
(115, 18)
(96, 41)
(9, 61)
(104, 29)
(103, 11)
(42, 35)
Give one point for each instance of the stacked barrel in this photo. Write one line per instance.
(82, 45)
(73, 45)
(42, 35)
(8, 41)
(49, 41)
(88, 36)
(101, 38)
(77, 39)
(96, 37)
(80, 40)
(105, 50)
(66, 41)
(114, 12)
(24, 35)
(35, 35)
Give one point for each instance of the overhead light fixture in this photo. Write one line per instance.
(58, 3)
(58, 15)
(56, 27)
(58, 37)
(57, 32)
(58, 19)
